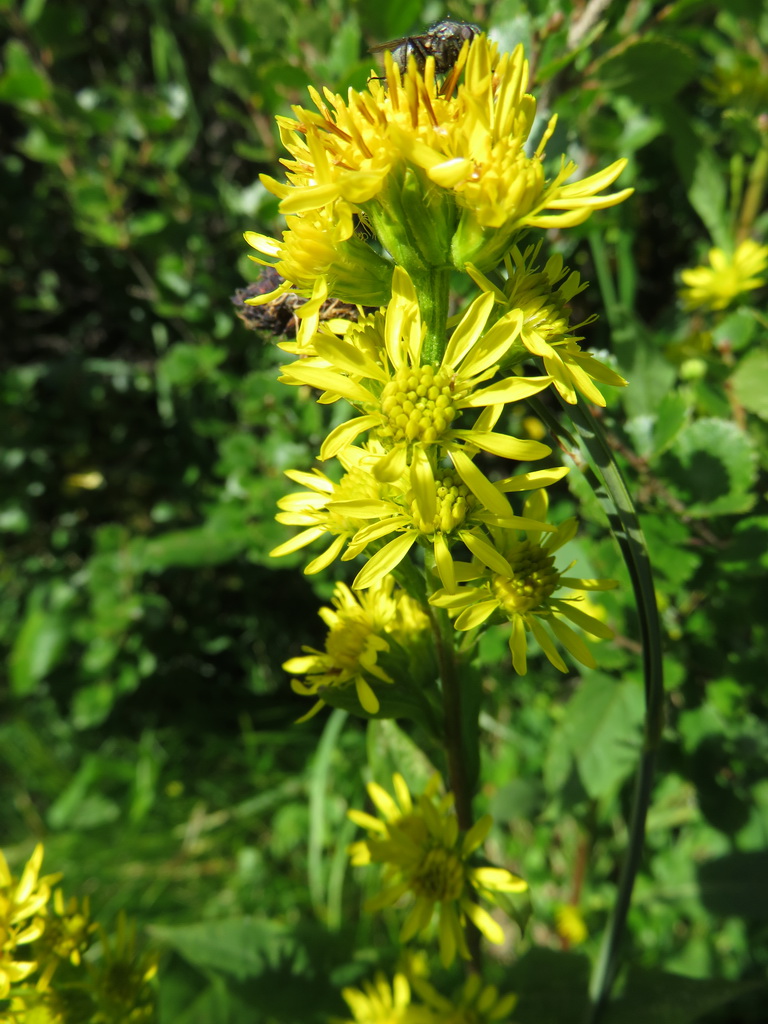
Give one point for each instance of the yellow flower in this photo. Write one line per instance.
(411, 407)
(320, 508)
(68, 934)
(23, 907)
(518, 583)
(322, 245)
(357, 630)
(543, 297)
(359, 512)
(438, 175)
(570, 925)
(39, 1008)
(379, 1002)
(426, 857)
(438, 512)
(728, 276)
(475, 1003)
(121, 981)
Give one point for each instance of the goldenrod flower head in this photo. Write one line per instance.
(322, 246)
(426, 856)
(728, 276)
(113, 988)
(322, 508)
(543, 294)
(475, 1003)
(543, 298)
(60, 1004)
(357, 626)
(409, 407)
(519, 583)
(379, 1002)
(437, 508)
(438, 174)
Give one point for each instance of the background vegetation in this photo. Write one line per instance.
(147, 733)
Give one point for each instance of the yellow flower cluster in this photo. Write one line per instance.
(415, 481)
(44, 978)
(440, 178)
(390, 192)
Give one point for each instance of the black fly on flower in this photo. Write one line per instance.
(443, 41)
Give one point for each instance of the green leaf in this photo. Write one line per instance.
(707, 191)
(211, 1006)
(39, 644)
(668, 541)
(92, 703)
(80, 805)
(243, 947)
(390, 749)
(212, 544)
(649, 70)
(671, 416)
(750, 382)
(603, 730)
(397, 700)
(652, 995)
(186, 365)
(737, 330)
(320, 790)
(147, 223)
(711, 467)
(747, 551)
(32, 10)
(390, 21)
(21, 81)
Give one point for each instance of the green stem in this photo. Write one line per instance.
(604, 973)
(614, 496)
(453, 717)
(753, 199)
(432, 288)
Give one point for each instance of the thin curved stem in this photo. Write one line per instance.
(612, 493)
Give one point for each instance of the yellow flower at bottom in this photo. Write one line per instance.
(728, 276)
(379, 1002)
(475, 1003)
(23, 906)
(426, 856)
(121, 981)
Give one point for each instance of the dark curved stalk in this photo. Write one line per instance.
(613, 495)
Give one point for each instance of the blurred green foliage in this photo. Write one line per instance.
(147, 731)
